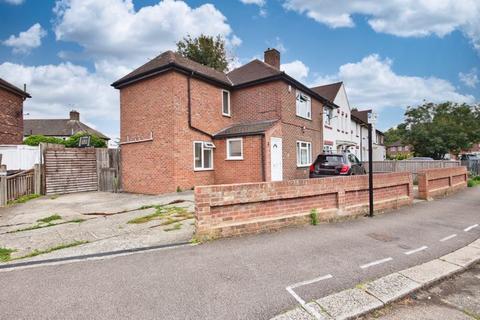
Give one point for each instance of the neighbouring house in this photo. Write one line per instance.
(346, 129)
(398, 148)
(184, 124)
(11, 113)
(59, 128)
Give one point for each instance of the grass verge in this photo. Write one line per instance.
(23, 199)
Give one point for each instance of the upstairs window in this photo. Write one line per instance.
(304, 153)
(226, 103)
(328, 116)
(304, 105)
(203, 155)
(235, 149)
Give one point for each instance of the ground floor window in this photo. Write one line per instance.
(235, 149)
(304, 153)
(203, 155)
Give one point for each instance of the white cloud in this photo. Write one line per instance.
(26, 40)
(470, 79)
(14, 2)
(372, 83)
(257, 2)
(113, 31)
(405, 18)
(56, 89)
(296, 69)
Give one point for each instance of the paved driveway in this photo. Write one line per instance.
(93, 222)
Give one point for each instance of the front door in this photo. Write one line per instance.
(276, 159)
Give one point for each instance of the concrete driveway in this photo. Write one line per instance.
(93, 222)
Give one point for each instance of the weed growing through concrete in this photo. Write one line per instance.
(5, 254)
(23, 199)
(37, 252)
(314, 217)
(176, 226)
(173, 214)
(49, 219)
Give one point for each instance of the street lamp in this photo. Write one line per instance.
(372, 118)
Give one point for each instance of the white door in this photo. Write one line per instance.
(276, 159)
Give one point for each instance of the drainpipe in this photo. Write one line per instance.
(190, 108)
(262, 156)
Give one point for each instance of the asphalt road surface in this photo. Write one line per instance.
(243, 278)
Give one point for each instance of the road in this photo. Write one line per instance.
(243, 278)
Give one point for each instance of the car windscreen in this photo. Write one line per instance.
(330, 159)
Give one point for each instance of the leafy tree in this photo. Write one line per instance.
(395, 134)
(437, 129)
(207, 50)
(95, 141)
(35, 140)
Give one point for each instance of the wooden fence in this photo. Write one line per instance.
(18, 185)
(70, 170)
(412, 166)
(108, 170)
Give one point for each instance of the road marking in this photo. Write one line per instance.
(470, 228)
(448, 238)
(302, 302)
(303, 283)
(416, 250)
(374, 263)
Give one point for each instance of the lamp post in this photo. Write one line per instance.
(372, 117)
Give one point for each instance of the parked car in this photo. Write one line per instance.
(421, 158)
(328, 164)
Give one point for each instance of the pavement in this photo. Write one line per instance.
(99, 218)
(457, 298)
(247, 277)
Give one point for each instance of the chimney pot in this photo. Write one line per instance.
(74, 115)
(272, 57)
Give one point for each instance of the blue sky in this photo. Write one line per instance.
(389, 55)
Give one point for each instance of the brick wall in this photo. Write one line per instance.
(226, 210)
(440, 182)
(247, 170)
(11, 118)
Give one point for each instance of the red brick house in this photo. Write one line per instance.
(11, 113)
(184, 124)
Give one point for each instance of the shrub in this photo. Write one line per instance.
(35, 140)
(314, 217)
(470, 183)
(95, 141)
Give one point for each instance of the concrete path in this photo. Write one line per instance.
(454, 299)
(99, 218)
(244, 278)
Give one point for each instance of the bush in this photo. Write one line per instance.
(95, 141)
(35, 140)
(314, 217)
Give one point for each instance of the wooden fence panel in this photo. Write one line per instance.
(69, 170)
(17, 185)
(108, 168)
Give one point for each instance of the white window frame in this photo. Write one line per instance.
(229, 105)
(298, 149)
(229, 157)
(202, 168)
(307, 113)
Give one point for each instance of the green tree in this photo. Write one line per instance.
(95, 141)
(437, 129)
(395, 134)
(35, 140)
(207, 50)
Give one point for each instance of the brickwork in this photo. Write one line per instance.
(439, 182)
(11, 117)
(228, 210)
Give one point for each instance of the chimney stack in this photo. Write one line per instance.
(74, 115)
(272, 57)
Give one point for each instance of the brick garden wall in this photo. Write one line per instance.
(11, 118)
(227, 210)
(440, 182)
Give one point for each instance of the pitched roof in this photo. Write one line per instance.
(57, 127)
(245, 129)
(361, 115)
(10, 87)
(328, 91)
(252, 71)
(167, 60)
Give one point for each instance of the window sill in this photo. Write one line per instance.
(303, 165)
(309, 119)
(200, 170)
(233, 159)
(226, 115)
